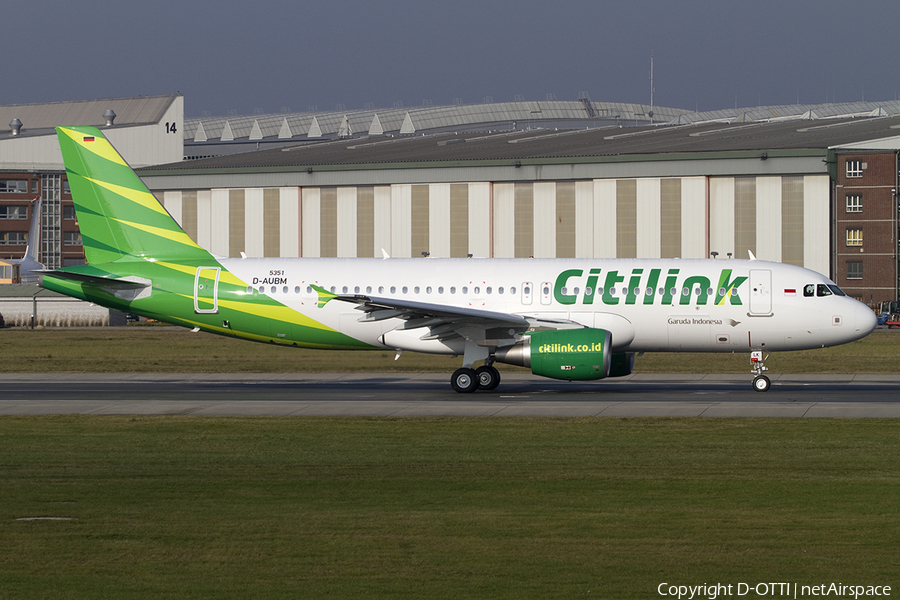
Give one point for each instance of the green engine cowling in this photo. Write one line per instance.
(572, 354)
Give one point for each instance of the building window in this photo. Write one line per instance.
(855, 168)
(72, 238)
(854, 269)
(854, 237)
(854, 203)
(13, 238)
(13, 212)
(13, 186)
(68, 212)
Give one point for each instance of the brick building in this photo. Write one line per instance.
(865, 221)
(60, 239)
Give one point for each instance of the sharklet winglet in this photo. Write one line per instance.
(324, 295)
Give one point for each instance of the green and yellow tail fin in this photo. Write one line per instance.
(117, 215)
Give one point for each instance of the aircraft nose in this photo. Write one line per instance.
(864, 320)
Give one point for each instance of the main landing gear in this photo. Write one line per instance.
(761, 383)
(467, 380)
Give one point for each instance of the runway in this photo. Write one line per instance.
(429, 395)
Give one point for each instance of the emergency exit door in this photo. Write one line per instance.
(206, 290)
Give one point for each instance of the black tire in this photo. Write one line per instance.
(464, 381)
(488, 378)
(761, 383)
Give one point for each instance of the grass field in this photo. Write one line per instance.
(165, 349)
(188, 507)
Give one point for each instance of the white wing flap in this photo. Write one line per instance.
(444, 322)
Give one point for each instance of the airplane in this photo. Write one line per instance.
(29, 268)
(569, 319)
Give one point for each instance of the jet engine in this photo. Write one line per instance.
(621, 364)
(571, 354)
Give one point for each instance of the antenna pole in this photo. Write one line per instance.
(651, 88)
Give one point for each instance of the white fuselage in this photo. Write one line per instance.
(647, 304)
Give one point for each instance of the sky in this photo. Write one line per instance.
(272, 56)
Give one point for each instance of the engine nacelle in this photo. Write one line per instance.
(572, 354)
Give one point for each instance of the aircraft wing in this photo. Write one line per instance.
(445, 322)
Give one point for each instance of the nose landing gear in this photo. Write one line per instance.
(761, 383)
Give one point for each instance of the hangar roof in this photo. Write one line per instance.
(792, 137)
(468, 117)
(297, 125)
(129, 111)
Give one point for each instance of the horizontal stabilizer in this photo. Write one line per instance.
(128, 288)
(96, 279)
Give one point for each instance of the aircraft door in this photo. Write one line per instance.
(760, 292)
(206, 290)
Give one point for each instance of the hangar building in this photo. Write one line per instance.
(814, 188)
(31, 165)
(812, 185)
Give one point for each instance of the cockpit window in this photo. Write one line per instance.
(809, 290)
(822, 290)
(837, 291)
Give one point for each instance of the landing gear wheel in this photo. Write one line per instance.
(488, 377)
(761, 383)
(464, 381)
